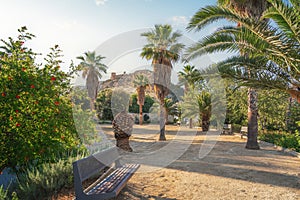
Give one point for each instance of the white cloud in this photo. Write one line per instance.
(180, 20)
(100, 2)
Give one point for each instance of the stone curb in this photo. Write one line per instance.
(278, 148)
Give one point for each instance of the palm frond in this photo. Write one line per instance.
(286, 17)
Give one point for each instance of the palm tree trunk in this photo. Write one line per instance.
(205, 122)
(92, 105)
(162, 122)
(191, 123)
(141, 114)
(167, 117)
(252, 120)
(186, 90)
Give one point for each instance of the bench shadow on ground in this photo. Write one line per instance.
(133, 192)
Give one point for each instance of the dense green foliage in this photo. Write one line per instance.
(236, 106)
(110, 102)
(277, 111)
(36, 112)
(5, 194)
(103, 105)
(283, 139)
(47, 179)
(134, 107)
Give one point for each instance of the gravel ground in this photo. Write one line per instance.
(227, 171)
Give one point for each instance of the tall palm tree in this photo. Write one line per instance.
(141, 82)
(163, 49)
(188, 77)
(92, 67)
(251, 9)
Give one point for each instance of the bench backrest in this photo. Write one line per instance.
(89, 166)
(227, 126)
(244, 129)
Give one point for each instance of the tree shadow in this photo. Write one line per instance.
(132, 191)
(231, 160)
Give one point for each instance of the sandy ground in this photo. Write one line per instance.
(224, 169)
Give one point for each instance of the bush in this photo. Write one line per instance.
(4, 194)
(103, 105)
(286, 140)
(36, 111)
(47, 179)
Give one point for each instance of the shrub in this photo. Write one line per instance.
(4, 194)
(47, 179)
(103, 105)
(284, 139)
(36, 111)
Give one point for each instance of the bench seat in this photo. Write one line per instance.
(114, 182)
(111, 175)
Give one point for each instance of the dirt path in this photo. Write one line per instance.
(228, 171)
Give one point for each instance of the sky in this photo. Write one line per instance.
(107, 26)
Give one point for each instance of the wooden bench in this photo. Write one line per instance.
(227, 128)
(244, 131)
(113, 176)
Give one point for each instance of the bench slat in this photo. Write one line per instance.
(114, 179)
(110, 182)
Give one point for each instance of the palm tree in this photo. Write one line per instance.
(251, 10)
(205, 106)
(163, 49)
(188, 77)
(92, 67)
(171, 108)
(141, 82)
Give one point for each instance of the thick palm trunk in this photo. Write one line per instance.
(162, 79)
(141, 100)
(141, 114)
(252, 120)
(122, 127)
(167, 117)
(162, 123)
(205, 122)
(92, 104)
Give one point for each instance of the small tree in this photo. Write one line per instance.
(141, 82)
(36, 111)
(92, 67)
(205, 106)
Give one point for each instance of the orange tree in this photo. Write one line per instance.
(36, 122)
